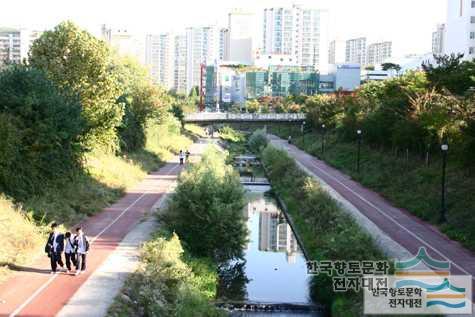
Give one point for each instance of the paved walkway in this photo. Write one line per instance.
(35, 292)
(400, 225)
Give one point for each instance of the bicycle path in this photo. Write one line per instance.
(36, 292)
(399, 224)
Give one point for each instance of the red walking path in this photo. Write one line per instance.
(35, 292)
(400, 225)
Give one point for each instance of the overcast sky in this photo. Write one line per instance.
(408, 23)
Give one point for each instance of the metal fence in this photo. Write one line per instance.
(225, 116)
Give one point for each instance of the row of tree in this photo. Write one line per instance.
(416, 111)
(73, 95)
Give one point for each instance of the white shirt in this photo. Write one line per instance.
(68, 247)
(55, 244)
(81, 244)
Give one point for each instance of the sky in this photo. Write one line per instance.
(408, 23)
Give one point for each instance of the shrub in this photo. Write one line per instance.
(258, 140)
(206, 209)
(40, 132)
(166, 284)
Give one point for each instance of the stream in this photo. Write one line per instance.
(272, 279)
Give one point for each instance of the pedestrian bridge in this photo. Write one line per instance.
(222, 117)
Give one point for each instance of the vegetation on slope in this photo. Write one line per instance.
(328, 233)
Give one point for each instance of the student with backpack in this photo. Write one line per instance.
(81, 243)
(69, 251)
(54, 248)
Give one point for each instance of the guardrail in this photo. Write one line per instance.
(226, 116)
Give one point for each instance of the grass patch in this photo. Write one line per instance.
(405, 181)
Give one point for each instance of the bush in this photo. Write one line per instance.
(206, 209)
(257, 141)
(40, 130)
(166, 284)
(229, 134)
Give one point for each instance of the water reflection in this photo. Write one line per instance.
(273, 269)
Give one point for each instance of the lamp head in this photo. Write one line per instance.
(444, 147)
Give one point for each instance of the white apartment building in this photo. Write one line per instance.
(202, 47)
(298, 32)
(180, 64)
(223, 43)
(124, 42)
(15, 44)
(356, 51)
(460, 28)
(438, 40)
(167, 60)
(239, 40)
(152, 56)
(336, 52)
(379, 52)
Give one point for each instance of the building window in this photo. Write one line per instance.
(472, 19)
(472, 35)
(473, 4)
(471, 50)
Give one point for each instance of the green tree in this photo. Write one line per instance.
(142, 102)
(252, 106)
(40, 130)
(451, 73)
(81, 65)
(206, 209)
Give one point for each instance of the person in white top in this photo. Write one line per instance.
(81, 242)
(69, 250)
(181, 156)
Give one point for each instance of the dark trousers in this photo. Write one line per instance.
(70, 258)
(181, 161)
(81, 261)
(55, 258)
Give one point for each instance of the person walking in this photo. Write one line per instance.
(181, 156)
(54, 248)
(69, 251)
(187, 155)
(81, 242)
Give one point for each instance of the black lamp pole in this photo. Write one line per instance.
(443, 209)
(323, 139)
(358, 132)
(303, 133)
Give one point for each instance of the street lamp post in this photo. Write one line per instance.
(323, 139)
(443, 209)
(303, 133)
(358, 132)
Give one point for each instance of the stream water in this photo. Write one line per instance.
(272, 278)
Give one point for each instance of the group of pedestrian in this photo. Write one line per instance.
(184, 156)
(74, 246)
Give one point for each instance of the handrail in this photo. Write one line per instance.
(228, 116)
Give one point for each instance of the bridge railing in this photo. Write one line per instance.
(226, 116)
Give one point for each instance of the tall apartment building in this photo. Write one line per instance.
(356, 51)
(336, 52)
(297, 31)
(124, 42)
(460, 28)
(15, 44)
(167, 60)
(152, 56)
(202, 47)
(180, 64)
(378, 53)
(438, 40)
(239, 37)
(223, 44)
